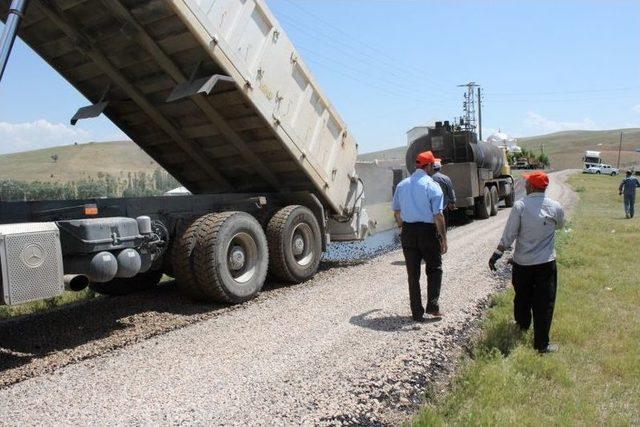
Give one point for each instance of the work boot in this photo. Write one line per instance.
(551, 348)
(435, 313)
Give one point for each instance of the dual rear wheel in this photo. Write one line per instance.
(224, 257)
(487, 204)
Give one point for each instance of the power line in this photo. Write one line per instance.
(361, 57)
(378, 52)
(542, 100)
(396, 85)
(363, 82)
(564, 92)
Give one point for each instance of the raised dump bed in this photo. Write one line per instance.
(213, 90)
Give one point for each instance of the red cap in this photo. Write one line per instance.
(539, 180)
(425, 158)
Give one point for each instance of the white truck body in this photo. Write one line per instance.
(591, 158)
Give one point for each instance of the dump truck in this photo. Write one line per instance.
(217, 94)
(479, 171)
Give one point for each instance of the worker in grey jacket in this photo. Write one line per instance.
(532, 224)
(628, 189)
(449, 194)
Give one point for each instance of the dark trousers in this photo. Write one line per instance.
(535, 287)
(420, 242)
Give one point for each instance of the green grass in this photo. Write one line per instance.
(595, 377)
(67, 297)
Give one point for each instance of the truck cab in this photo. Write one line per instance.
(591, 159)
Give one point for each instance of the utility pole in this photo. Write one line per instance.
(480, 112)
(619, 150)
(469, 107)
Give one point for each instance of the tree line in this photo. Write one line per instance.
(134, 184)
(533, 161)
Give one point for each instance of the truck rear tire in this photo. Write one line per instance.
(483, 204)
(182, 260)
(230, 257)
(295, 244)
(510, 198)
(125, 286)
(495, 199)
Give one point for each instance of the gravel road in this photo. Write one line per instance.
(339, 349)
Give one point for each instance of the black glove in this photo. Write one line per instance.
(494, 258)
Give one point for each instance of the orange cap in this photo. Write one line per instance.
(425, 158)
(539, 180)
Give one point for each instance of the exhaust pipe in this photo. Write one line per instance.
(75, 282)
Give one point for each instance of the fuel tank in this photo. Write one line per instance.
(457, 146)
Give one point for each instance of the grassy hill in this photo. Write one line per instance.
(390, 154)
(76, 162)
(565, 149)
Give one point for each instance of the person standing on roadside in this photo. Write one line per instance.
(628, 189)
(417, 206)
(532, 224)
(448, 192)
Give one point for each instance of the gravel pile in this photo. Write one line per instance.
(369, 248)
(338, 350)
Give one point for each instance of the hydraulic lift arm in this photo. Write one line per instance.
(16, 12)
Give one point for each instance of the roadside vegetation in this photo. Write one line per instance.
(595, 377)
(531, 159)
(67, 297)
(132, 184)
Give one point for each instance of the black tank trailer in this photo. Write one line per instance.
(480, 172)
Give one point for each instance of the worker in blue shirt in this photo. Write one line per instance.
(628, 188)
(417, 206)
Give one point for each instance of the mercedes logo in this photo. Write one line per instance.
(32, 255)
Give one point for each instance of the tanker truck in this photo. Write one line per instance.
(479, 171)
(216, 93)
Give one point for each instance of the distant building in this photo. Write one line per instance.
(502, 139)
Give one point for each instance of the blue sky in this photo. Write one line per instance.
(389, 65)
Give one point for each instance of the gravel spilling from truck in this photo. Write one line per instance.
(338, 349)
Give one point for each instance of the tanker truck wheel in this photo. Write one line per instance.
(182, 259)
(230, 257)
(510, 198)
(125, 286)
(295, 245)
(495, 199)
(483, 204)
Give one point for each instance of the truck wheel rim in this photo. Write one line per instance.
(242, 257)
(302, 244)
(237, 258)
